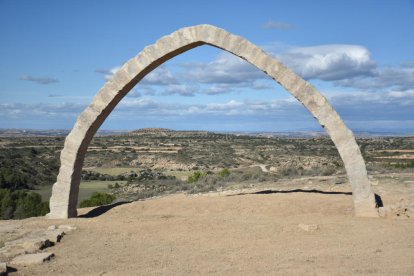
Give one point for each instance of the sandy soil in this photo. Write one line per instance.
(236, 234)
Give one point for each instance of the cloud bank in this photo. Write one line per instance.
(39, 80)
(271, 24)
(357, 109)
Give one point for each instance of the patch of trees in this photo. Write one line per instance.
(132, 176)
(9, 179)
(90, 175)
(21, 204)
(97, 199)
(23, 168)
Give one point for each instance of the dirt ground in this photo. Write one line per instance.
(239, 233)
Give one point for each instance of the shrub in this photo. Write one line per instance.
(97, 199)
(195, 177)
(224, 172)
(21, 204)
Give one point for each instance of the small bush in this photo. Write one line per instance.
(224, 172)
(195, 177)
(97, 199)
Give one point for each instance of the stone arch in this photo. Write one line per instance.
(65, 191)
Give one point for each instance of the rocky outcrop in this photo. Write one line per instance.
(25, 247)
(31, 259)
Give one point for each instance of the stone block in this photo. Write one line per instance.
(32, 259)
(308, 227)
(3, 269)
(67, 227)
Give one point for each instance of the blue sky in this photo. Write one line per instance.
(55, 55)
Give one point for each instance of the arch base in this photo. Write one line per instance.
(366, 209)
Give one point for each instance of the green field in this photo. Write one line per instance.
(182, 175)
(85, 190)
(112, 171)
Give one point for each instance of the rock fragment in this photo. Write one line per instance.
(397, 210)
(54, 235)
(23, 245)
(67, 227)
(3, 269)
(308, 227)
(30, 259)
(31, 243)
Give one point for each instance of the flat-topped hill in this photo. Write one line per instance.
(166, 131)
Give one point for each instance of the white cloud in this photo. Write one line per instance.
(386, 77)
(49, 110)
(108, 73)
(145, 89)
(341, 64)
(226, 68)
(226, 73)
(221, 88)
(345, 65)
(134, 94)
(160, 76)
(277, 25)
(329, 62)
(143, 103)
(39, 80)
(360, 109)
(181, 89)
(230, 105)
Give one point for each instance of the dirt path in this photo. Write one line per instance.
(246, 234)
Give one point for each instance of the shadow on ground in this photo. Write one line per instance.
(105, 208)
(102, 209)
(378, 198)
(314, 191)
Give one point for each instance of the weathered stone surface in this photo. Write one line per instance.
(23, 245)
(54, 235)
(31, 259)
(32, 242)
(65, 191)
(397, 210)
(8, 228)
(308, 227)
(382, 211)
(3, 269)
(67, 227)
(52, 227)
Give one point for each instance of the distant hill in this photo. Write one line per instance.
(150, 131)
(168, 132)
(11, 132)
